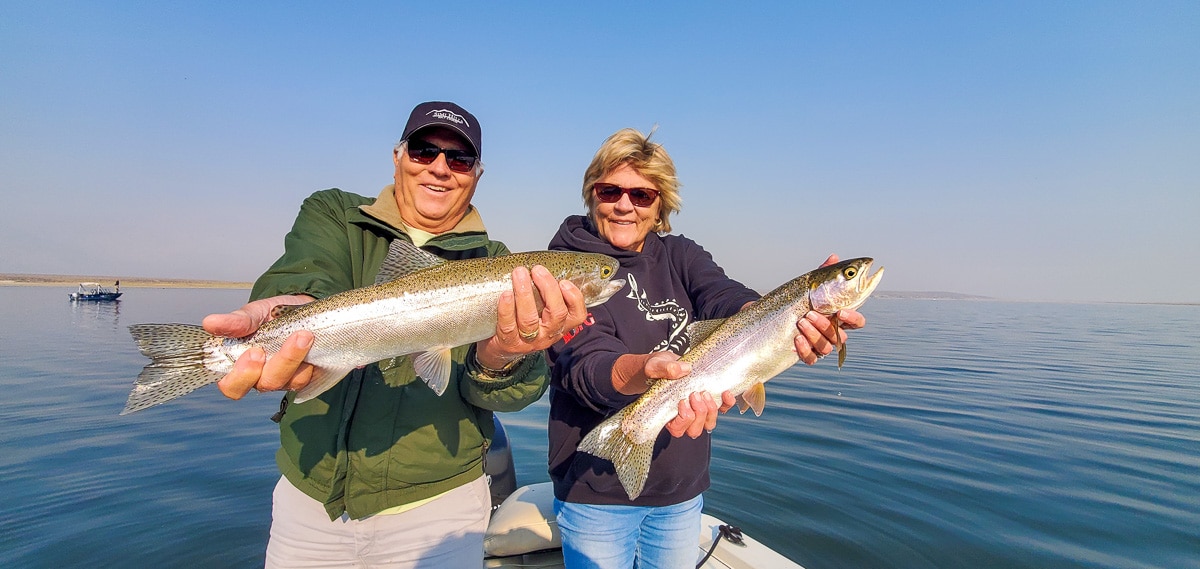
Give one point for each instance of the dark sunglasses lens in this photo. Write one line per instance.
(422, 153)
(640, 197)
(426, 153)
(607, 193)
(460, 161)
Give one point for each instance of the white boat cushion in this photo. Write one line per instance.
(524, 523)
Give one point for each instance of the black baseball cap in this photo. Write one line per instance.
(449, 115)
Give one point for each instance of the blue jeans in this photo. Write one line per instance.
(620, 537)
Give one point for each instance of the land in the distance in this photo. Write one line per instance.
(72, 281)
(15, 279)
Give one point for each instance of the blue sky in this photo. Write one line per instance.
(1019, 150)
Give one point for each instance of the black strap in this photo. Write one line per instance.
(278, 416)
(731, 533)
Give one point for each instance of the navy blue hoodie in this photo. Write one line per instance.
(671, 283)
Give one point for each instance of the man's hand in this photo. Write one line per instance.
(523, 329)
(285, 370)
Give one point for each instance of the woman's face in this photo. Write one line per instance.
(621, 223)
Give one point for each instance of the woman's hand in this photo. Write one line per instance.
(698, 413)
(817, 335)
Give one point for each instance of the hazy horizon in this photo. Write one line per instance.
(1013, 150)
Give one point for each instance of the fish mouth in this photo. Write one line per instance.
(603, 292)
(865, 284)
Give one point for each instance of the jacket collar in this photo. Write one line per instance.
(384, 212)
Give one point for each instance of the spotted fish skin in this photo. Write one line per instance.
(420, 305)
(737, 354)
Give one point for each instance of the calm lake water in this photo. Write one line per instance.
(959, 434)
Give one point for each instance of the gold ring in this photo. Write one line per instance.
(527, 336)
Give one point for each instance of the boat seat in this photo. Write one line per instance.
(524, 523)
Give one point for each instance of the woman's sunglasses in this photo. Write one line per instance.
(611, 193)
(423, 152)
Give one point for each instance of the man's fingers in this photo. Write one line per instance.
(576, 306)
(286, 369)
(528, 317)
(232, 325)
(554, 307)
(246, 320)
(246, 371)
(506, 317)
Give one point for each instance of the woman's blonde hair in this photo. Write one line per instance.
(628, 146)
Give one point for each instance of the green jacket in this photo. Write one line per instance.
(381, 438)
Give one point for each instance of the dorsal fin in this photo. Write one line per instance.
(404, 258)
(699, 330)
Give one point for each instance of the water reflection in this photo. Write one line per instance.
(96, 315)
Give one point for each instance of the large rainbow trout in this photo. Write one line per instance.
(421, 304)
(736, 354)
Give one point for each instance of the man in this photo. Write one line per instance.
(379, 470)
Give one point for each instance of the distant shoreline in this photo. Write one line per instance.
(72, 281)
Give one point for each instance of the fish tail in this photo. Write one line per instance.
(630, 460)
(177, 366)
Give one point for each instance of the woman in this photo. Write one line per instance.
(630, 191)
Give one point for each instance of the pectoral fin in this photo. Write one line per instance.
(753, 398)
(434, 367)
(837, 333)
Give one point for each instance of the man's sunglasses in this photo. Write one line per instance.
(611, 193)
(423, 152)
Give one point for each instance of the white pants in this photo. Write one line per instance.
(447, 532)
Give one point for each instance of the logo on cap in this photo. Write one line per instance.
(448, 115)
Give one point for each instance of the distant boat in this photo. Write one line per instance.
(93, 291)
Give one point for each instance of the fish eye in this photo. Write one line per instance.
(605, 272)
(850, 272)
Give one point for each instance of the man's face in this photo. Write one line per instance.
(432, 197)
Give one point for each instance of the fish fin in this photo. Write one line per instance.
(701, 329)
(323, 378)
(176, 368)
(403, 259)
(434, 367)
(282, 309)
(841, 346)
(753, 398)
(630, 460)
